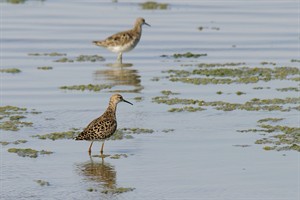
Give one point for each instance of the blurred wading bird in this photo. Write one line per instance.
(123, 41)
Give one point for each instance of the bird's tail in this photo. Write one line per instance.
(79, 137)
(98, 43)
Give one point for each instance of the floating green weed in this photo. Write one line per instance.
(63, 60)
(260, 88)
(14, 125)
(81, 58)
(241, 145)
(152, 5)
(137, 130)
(168, 130)
(220, 64)
(173, 101)
(4, 143)
(4, 110)
(10, 70)
(90, 87)
(252, 105)
(117, 190)
(11, 117)
(240, 93)
(91, 190)
(155, 79)
(90, 58)
(15, 1)
(138, 99)
(232, 75)
(137, 89)
(45, 68)
(268, 63)
(269, 120)
(16, 117)
(186, 108)
(168, 92)
(296, 89)
(186, 55)
(59, 135)
(27, 152)
(47, 54)
(295, 60)
(42, 183)
(126, 133)
(286, 138)
(200, 28)
(118, 156)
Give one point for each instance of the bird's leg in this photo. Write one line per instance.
(101, 151)
(90, 148)
(119, 59)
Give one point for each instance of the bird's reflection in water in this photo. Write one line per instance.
(120, 76)
(100, 172)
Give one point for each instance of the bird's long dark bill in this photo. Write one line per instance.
(127, 102)
(147, 24)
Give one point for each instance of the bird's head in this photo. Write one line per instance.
(117, 98)
(141, 21)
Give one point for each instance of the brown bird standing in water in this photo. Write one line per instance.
(123, 41)
(104, 126)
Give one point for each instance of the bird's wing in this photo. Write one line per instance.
(98, 129)
(120, 38)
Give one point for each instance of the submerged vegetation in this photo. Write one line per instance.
(201, 28)
(284, 137)
(117, 190)
(59, 135)
(268, 63)
(152, 5)
(4, 143)
(10, 70)
(138, 99)
(126, 133)
(89, 87)
(252, 105)
(186, 108)
(137, 89)
(295, 60)
(81, 58)
(11, 117)
(295, 89)
(185, 55)
(45, 68)
(168, 92)
(240, 93)
(28, 152)
(269, 120)
(118, 156)
(232, 64)
(42, 183)
(232, 75)
(47, 54)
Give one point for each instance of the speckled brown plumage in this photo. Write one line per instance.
(123, 41)
(105, 125)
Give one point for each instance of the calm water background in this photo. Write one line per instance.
(197, 160)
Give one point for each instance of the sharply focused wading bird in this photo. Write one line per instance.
(104, 126)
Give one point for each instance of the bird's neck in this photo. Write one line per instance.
(111, 109)
(137, 28)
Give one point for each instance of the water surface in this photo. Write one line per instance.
(195, 161)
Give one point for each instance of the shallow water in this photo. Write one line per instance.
(197, 160)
